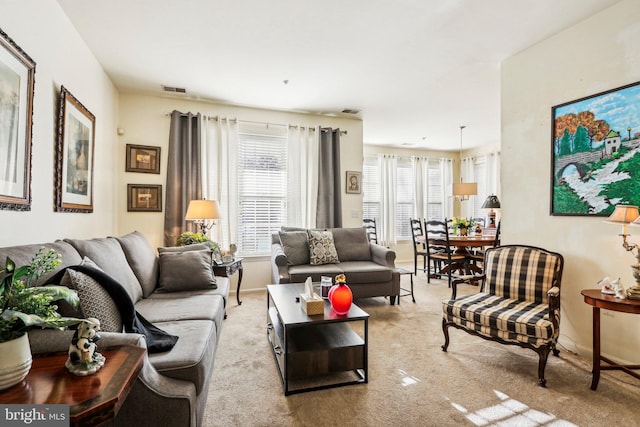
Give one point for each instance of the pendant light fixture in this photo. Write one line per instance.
(463, 190)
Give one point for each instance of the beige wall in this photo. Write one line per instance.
(598, 54)
(144, 122)
(62, 58)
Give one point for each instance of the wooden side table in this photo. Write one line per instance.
(227, 269)
(92, 400)
(599, 300)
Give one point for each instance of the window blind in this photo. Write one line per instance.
(404, 198)
(370, 189)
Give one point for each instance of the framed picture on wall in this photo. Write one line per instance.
(144, 198)
(595, 153)
(74, 155)
(17, 71)
(353, 182)
(143, 158)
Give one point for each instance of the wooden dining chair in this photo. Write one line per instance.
(369, 224)
(440, 251)
(419, 246)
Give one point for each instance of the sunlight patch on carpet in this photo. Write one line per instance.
(406, 379)
(510, 412)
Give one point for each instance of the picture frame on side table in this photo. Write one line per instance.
(354, 180)
(74, 155)
(17, 81)
(144, 198)
(143, 158)
(595, 147)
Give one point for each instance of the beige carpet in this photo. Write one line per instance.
(412, 382)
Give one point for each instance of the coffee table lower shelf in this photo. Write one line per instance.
(317, 355)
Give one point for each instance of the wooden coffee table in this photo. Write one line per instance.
(315, 352)
(93, 399)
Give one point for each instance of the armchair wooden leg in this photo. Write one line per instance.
(543, 352)
(445, 330)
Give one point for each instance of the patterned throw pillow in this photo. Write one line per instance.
(322, 250)
(94, 299)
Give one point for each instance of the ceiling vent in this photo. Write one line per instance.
(174, 89)
(350, 111)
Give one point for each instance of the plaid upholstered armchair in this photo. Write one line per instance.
(519, 302)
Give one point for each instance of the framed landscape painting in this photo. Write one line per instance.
(74, 156)
(17, 72)
(143, 158)
(595, 153)
(144, 198)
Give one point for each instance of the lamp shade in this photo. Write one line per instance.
(492, 202)
(202, 209)
(465, 189)
(623, 214)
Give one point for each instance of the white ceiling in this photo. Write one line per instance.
(416, 69)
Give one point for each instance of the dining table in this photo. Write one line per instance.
(463, 244)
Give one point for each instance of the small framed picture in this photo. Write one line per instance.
(144, 198)
(143, 158)
(353, 182)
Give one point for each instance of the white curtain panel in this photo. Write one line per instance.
(219, 142)
(302, 172)
(387, 165)
(446, 169)
(420, 169)
(493, 173)
(467, 175)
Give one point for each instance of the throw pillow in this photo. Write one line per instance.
(94, 299)
(295, 246)
(322, 250)
(186, 271)
(187, 248)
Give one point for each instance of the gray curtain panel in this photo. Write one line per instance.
(184, 173)
(329, 211)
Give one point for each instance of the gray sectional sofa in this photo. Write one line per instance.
(369, 268)
(176, 297)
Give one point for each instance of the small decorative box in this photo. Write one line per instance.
(312, 306)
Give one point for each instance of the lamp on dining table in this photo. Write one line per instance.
(491, 203)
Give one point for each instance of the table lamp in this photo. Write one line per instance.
(492, 203)
(203, 212)
(628, 214)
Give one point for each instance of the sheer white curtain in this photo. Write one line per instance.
(219, 143)
(446, 169)
(467, 175)
(420, 168)
(493, 173)
(302, 172)
(387, 165)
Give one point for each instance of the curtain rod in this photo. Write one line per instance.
(235, 120)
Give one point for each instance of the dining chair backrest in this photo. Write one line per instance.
(417, 234)
(369, 225)
(437, 235)
(496, 240)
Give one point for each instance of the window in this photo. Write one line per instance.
(262, 185)
(435, 192)
(370, 189)
(480, 173)
(404, 199)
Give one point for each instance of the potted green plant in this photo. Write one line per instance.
(24, 306)
(191, 238)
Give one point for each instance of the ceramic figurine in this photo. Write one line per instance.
(83, 357)
(607, 287)
(620, 292)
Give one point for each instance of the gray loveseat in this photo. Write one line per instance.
(173, 385)
(369, 268)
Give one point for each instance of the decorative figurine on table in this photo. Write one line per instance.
(340, 295)
(83, 358)
(607, 287)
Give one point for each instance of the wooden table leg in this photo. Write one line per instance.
(239, 283)
(596, 348)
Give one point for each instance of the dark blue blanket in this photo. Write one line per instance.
(133, 322)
